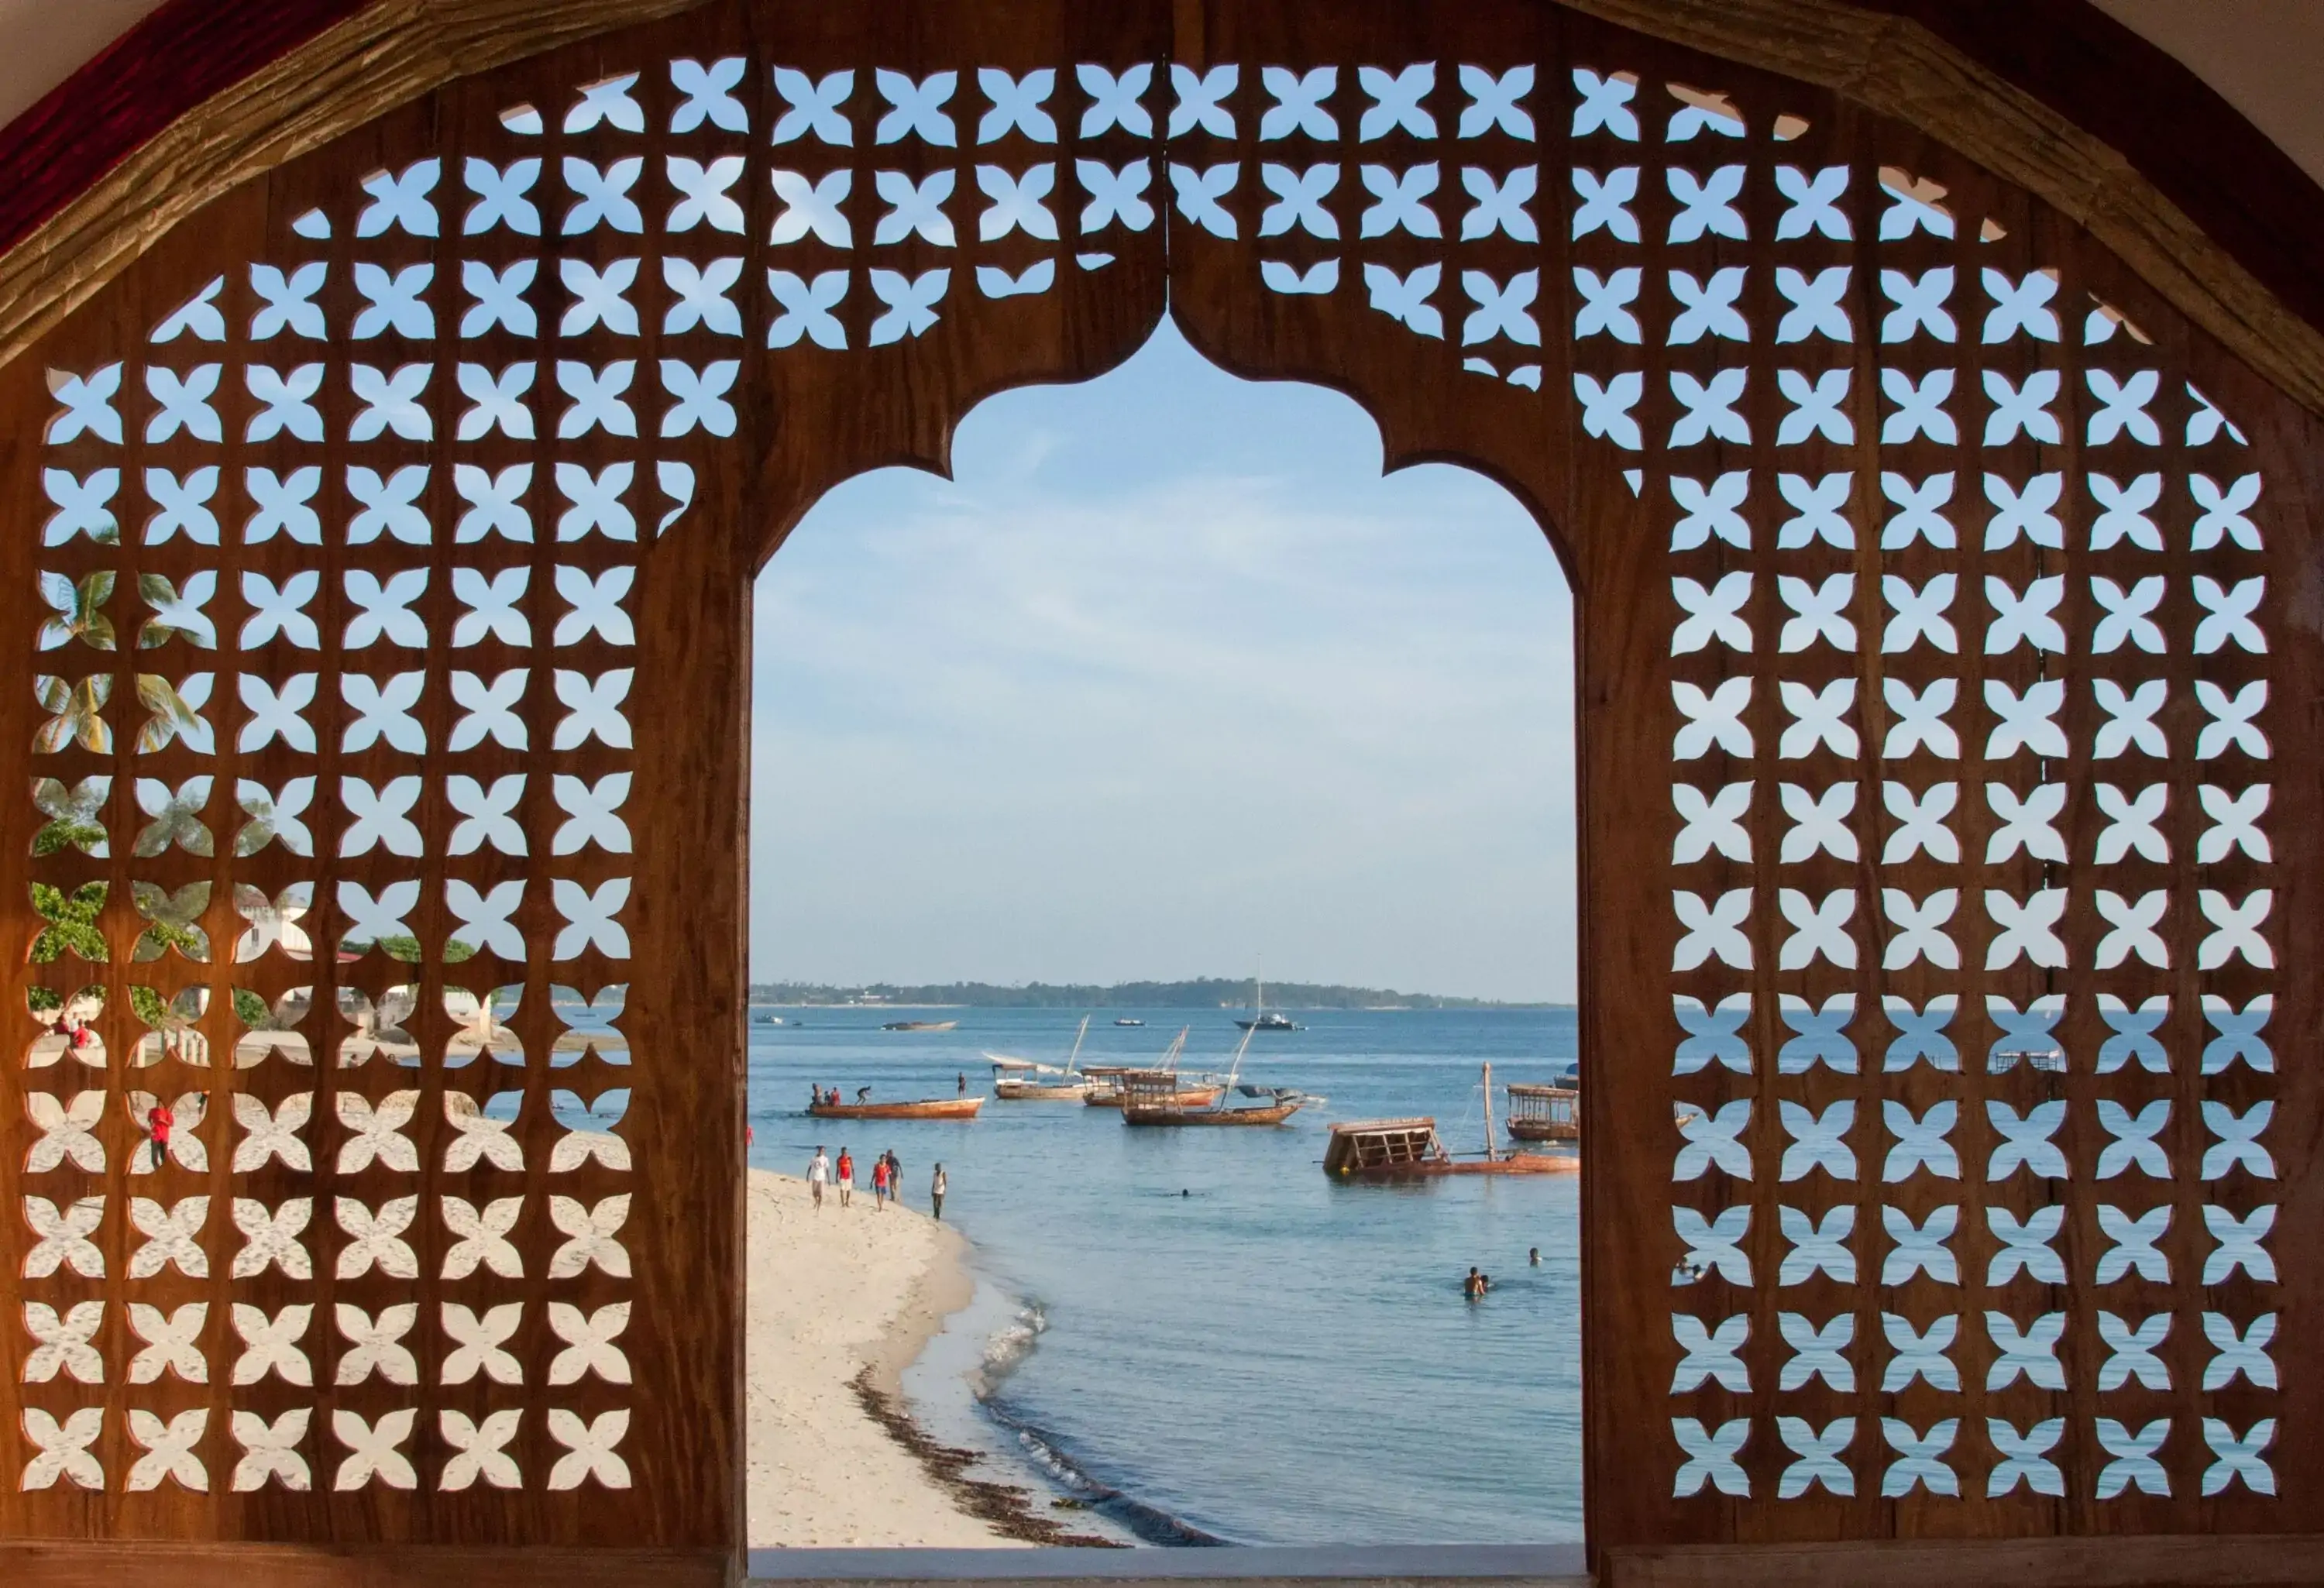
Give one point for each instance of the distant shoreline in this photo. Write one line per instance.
(1203, 993)
(1193, 1008)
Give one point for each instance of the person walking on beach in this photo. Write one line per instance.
(846, 1176)
(935, 1193)
(817, 1172)
(880, 1183)
(158, 1121)
(895, 1174)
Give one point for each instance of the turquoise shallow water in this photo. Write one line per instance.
(1238, 1346)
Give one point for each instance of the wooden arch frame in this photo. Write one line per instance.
(862, 382)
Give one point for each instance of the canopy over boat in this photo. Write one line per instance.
(1001, 1061)
(1538, 1113)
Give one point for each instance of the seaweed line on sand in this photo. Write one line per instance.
(1008, 1509)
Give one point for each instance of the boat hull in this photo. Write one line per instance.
(1274, 1113)
(1545, 1129)
(1185, 1098)
(1038, 1091)
(934, 1108)
(1518, 1163)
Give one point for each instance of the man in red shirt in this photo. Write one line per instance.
(158, 1121)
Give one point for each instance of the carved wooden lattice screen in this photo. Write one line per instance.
(1949, 782)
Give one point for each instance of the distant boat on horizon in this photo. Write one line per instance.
(1262, 1019)
(918, 1025)
(1129, 1022)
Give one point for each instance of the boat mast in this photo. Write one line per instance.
(1235, 1068)
(1488, 1111)
(1078, 1045)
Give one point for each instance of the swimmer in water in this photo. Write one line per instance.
(1532, 1257)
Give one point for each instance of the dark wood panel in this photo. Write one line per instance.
(1483, 335)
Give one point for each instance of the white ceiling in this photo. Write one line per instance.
(2262, 56)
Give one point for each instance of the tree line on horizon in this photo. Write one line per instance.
(1204, 992)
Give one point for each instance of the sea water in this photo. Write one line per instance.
(1197, 1330)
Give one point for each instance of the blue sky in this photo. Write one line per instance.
(1168, 681)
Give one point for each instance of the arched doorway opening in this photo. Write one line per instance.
(1166, 682)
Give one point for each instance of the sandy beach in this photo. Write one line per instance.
(841, 1303)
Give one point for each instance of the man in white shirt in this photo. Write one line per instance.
(818, 1174)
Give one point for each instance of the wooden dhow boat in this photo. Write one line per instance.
(1161, 1084)
(1013, 1079)
(1375, 1151)
(926, 1108)
(1545, 1113)
(1150, 1099)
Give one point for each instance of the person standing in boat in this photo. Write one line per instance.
(937, 1193)
(846, 1176)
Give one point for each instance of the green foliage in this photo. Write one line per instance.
(194, 946)
(250, 1008)
(150, 1007)
(72, 922)
(399, 946)
(58, 834)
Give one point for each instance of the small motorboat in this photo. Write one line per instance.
(1129, 1022)
(926, 1108)
(918, 1025)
